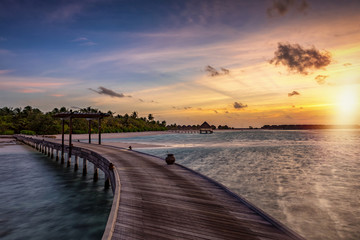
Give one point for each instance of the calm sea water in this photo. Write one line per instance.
(309, 180)
(42, 199)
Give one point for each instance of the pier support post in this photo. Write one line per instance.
(68, 164)
(76, 166)
(84, 167)
(62, 157)
(62, 140)
(70, 136)
(57, 155)
(52, 153)
(107, 183)
(96, 174)
(48, 151)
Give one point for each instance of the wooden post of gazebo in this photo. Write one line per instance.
(62, 141)
(99, 130)
(71, 115)
(70, 140)
(89, 120)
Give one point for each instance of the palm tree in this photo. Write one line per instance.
(134, 115)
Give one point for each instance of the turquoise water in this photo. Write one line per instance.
(42, 199)
(309, 180)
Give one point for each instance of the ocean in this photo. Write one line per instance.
(308, 180)
(42, 199)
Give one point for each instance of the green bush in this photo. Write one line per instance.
(28, 132)
(8, 132)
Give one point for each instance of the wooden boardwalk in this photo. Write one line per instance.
(160, 201)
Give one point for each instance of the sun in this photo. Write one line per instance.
(347, 101)
(347, 104)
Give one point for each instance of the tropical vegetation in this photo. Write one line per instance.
(33, 121)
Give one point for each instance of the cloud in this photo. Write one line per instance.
(320, 79)
(213, 72)
(5, 71)
(90, 43)
(299, 59)
(2, 39)
(83, 41)
(108, 92)
(32, 84)
(347, 64)
(240, 105)
(6, 52)
(293, 93)
(215, 111)
(79, 39)
(181, 108)
(142, 100)
(282, 7)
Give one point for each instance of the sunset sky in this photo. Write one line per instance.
(238, 63)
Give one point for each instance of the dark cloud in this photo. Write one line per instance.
(109, 92)
(299, 59)
(240, 105)
(320, 79)
(215, 111)
(293, 93)
(282, 7)
(225, 71)
(347, 64)
(152, 101)
(187, 108)
(303, 6)
(214, 73)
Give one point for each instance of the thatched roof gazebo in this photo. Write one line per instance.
(205, 128)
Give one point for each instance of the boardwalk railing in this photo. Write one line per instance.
(111, 174)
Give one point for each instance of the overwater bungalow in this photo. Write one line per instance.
(205, 128)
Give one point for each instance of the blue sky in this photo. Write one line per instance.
(154, 56)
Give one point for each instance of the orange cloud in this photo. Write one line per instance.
(29, 90)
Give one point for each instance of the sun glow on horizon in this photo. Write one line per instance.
(348, 104)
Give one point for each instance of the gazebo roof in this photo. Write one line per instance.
(80, 115)
(205, 125)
